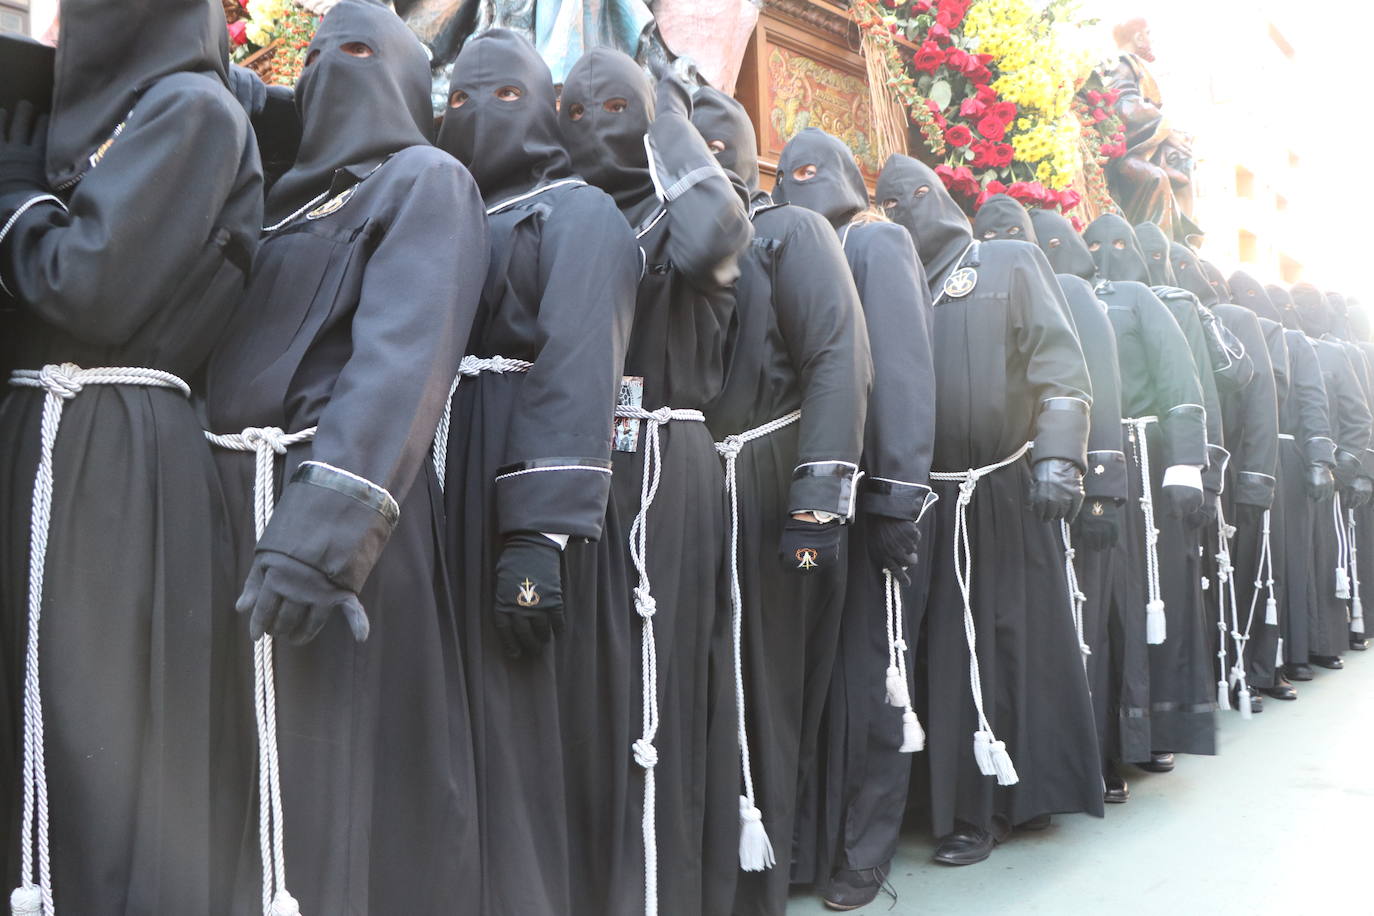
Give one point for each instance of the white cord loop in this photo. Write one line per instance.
(1342, 550)
(1077, 600)
(1356, 605)
(471, 366)
(1156, 625)
(645, 754)
(989, 753)
(758, 854)
(898, 692)
(60, 383)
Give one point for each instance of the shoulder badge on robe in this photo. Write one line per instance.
(528, 597)
(961, 282)
(332, 205)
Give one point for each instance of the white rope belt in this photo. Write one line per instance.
(989, 753)
(471, 366)
(757, 854)
(645, 754)
(266, 443)
(1077, 600)
(60, 383)
(1156, 626)
(1356, 605)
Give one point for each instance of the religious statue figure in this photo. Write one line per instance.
(1153, 181)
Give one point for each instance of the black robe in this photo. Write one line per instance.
(139, 266)
(352, 323)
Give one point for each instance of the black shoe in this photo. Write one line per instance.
(1281, 691)
(854, 888)
(1117, 792)
(1299, 672)
(1332, 662)
(1039, 822)
(967, 845)
(1159, 762)
(1358, 643)
(1256, 703)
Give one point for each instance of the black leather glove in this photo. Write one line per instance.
(1056, 489)
(529, 593)
(1181, 501)
(1098, 526)
(1321, 483)
(1247, 517)
(23, 149)
(1359, 492)
(894, 543)
(293, 601)
(810, 546)
(1204, 514)
(671, 94)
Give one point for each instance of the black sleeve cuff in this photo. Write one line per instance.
(1061, 430)
(1320, 450)
(1184, 433)
(825, 486)
(1214, 474)
(554, 495)
(1254, 488)
(1106, 476)
(895, 498)
(1367, 461)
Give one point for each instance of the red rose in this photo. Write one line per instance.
(959, 135)
(959, 180)
(950, 19)
(928, 57)
(238, 33)
(1111, 95)
(1094, 97)
(955, 7)
(1076, 223)
(1099, 116)
(1003, 111)
(986, 95)
(923, 6)
(979, 76)
(939, 33)
(992, 129)
(972, 108)
(1068, 199)
(1002, 155)
(996, 187)
(957, 59)
(982, 154)
(1023, 191)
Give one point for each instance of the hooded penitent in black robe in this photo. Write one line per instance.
(1008, 370)
(361, 298)
(851, 811)
(1349, 413)
(1306, 442)
(801, 345)
(1105, 484)
(138, 264)
(692, 228)
(1357, 322)
(1157, 381)
(529, 454)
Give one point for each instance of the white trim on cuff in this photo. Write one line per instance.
(1183, 475)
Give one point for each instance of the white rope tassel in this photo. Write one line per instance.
(755, 849)
(1271, 603)
(1224, 586)
(1356, 605)
(989, 753)
(645, 754)
(1242, 636)
(1278, 654)
(470, 366)
(60, 383)
(898, 694)
(1156, 624)
(1077, 600)
(1342, 550)
(266, 443)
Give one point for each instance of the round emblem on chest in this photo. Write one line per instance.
(332, 205)
(961, 282)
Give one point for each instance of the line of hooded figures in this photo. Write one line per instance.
(605, 534)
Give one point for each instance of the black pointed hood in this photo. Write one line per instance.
(607, 147)
(717, 117)
(355, 111)
(1217, 280)
(1340, 325)
(1188, 273)
(109, 53)
(1115, 249)
(1155, 245)
(1358, 319)
(913, 196)
(1249, 292)
(1003, 217)
(1064, 248)
(1283, 301)
(508, 146)
(1314, 312)
(837, 192)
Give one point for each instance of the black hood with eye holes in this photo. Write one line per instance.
(1064, 248)
(716, 116)
(1188, 274)
(1314, 312)
(607, 147)
(1115, 249)
(1249, 292)
(508, 146)
(1283, 301)
(1155, 244)
(1340, 326)
(355, 111)
(1003, 217)
(1217, 280)
(837, 191)
(939, 228)
(1358, 319)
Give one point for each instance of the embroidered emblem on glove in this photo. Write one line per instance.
(806, 558)
(528, 597)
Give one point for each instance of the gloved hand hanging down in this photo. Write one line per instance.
(810, 547)
(1098, 526)
(23, 149)
(293, 601)
(1321, 483)
(1056, 489)
(529, 593)
(1358, 493)
(1205, 514)
(894, 543)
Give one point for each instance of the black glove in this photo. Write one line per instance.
(1247, 517)
(248, 88)
(1321, 483)
(1204, 514)
(529, 593)
(1056, 489)
(23, 149)
(1359, 492)
(671, 94)
(1181, 501)
(810, 546)
(1098, 526)
(292, 600)
(894, 543)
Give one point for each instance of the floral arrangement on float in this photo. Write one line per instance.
(1003, 95)
(270, 36)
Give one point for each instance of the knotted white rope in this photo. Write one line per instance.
(1226, 598)
(1156, 624)
(60, 383)
(898, 693)
(1342, 550)
(266, 443)
(645, 754)
(470, 366)
(1356, 605)
(989, 753)
(757, 854)
(1077, 600)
